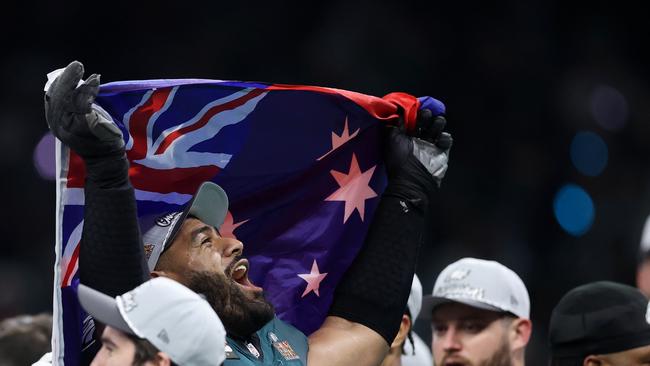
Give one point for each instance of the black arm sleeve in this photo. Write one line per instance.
(375, 289)
(111, 257)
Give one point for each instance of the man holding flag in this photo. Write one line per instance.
(370, 298)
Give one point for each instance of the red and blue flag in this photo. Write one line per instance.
(301, 165)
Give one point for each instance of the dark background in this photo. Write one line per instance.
(519, 79)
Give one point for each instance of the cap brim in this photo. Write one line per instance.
(210, 204)
(102, 307)
(429, 303)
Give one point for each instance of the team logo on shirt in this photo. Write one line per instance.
(283, 347)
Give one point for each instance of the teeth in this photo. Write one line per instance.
(239, 272)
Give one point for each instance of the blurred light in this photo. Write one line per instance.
(574, 209)
(589, 153)
(44, 157)
(609, 107)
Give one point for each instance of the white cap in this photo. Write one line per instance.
(481, 284)
(172, 317)
(414, 302)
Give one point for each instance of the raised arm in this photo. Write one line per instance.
(111, 258)
(371, 298)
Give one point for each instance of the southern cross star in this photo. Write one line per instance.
(313, 279)
(354, 189)
(337, 140)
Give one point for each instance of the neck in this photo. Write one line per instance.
(393, 358)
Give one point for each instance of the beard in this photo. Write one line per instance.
(241, 314)
(501, 357)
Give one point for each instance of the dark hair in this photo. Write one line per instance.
(144, 351)
(24, 339)
(410, 335)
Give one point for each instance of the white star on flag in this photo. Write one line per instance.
(354, 189)
(313, 279)
(337, 140)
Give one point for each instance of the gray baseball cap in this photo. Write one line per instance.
(481, 284)
(209, 204)
(176, 320)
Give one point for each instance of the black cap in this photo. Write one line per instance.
(599, 318)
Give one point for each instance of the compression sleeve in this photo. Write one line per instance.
(111, 257)
(374, 290)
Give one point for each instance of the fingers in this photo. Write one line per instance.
(444, 141)
(429, 128)
(68, 79)
(439, 124)
(423, 122)
(84, 95)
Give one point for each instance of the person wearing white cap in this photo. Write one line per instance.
(160, 322)
(480, 315)
(402, 352)
(416, 352)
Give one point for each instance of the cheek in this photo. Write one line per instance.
(437, 349)
(125, 357)
(206, 260)
(483, 345)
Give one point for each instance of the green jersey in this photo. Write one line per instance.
(277, 343)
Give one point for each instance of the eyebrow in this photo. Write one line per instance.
(202, 230)
(106, 340)
(464, 319)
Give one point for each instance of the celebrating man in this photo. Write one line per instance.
(369, 301)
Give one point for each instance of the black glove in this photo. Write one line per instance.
(84, 128)
(416, 164)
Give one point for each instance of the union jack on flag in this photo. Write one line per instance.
(301, 166)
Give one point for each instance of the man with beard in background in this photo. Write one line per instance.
(369, 301)
(479, 313)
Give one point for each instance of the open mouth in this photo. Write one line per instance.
(239, 274)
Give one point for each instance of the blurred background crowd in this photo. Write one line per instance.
(546, 100)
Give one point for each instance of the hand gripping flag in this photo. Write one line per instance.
(301, 166)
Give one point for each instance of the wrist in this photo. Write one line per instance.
(413, 184)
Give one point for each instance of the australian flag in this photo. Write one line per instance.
(301, 165)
